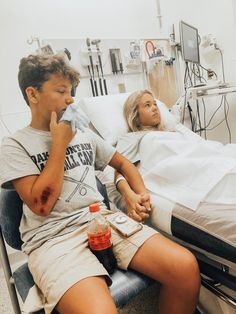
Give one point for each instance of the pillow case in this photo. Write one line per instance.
(106, 115)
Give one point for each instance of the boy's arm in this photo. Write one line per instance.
(41, 192)
(133, 188)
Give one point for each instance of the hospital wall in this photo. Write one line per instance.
(19, 20)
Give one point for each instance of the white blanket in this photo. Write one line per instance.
(180, 168)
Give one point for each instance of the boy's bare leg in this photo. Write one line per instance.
(88, 296)
(175, 268)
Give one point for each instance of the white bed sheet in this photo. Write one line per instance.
(182, 169)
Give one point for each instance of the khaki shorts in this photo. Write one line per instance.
(63, 261)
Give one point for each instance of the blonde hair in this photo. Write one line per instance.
(131, 115)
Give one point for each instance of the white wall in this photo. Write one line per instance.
(63, 19)
(104, 19)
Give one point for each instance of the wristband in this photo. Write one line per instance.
(119, 179)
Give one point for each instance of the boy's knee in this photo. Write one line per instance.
(185, 268)
(190, 271)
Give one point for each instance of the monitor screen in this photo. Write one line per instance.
(189, 42)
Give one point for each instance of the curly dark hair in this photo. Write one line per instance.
(35, 70)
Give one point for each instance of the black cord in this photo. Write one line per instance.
(192, 75)
(226, 110)
(204, 118)
(199, 75)
(185, 102)
(212, 116)
(215, 126)
(207, 70)
(190, 115)
(185, 94)
(218, 108)
(190, 79)
(185, 76)
(199, 117)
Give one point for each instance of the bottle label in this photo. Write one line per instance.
(100, 241)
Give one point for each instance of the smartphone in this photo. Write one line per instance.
(124, 224)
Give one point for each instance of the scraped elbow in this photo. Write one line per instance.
(42, 205)
(41, 210)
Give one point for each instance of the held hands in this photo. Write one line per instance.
(61, 132)
(138, 205)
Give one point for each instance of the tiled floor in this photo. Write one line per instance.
(145, 303)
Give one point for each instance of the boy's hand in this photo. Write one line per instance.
(145, 201)
(61, 132)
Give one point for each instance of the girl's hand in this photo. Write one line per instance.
(138, 206)
(145, 200)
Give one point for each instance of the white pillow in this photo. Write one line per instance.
(106, 115)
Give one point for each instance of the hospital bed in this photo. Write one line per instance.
(209, 234)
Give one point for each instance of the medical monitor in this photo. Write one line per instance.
(189, 43)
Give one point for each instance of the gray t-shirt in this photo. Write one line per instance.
(26, 152)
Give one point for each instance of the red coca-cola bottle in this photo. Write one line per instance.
(99, 238)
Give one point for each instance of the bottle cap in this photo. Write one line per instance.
(94, 207)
